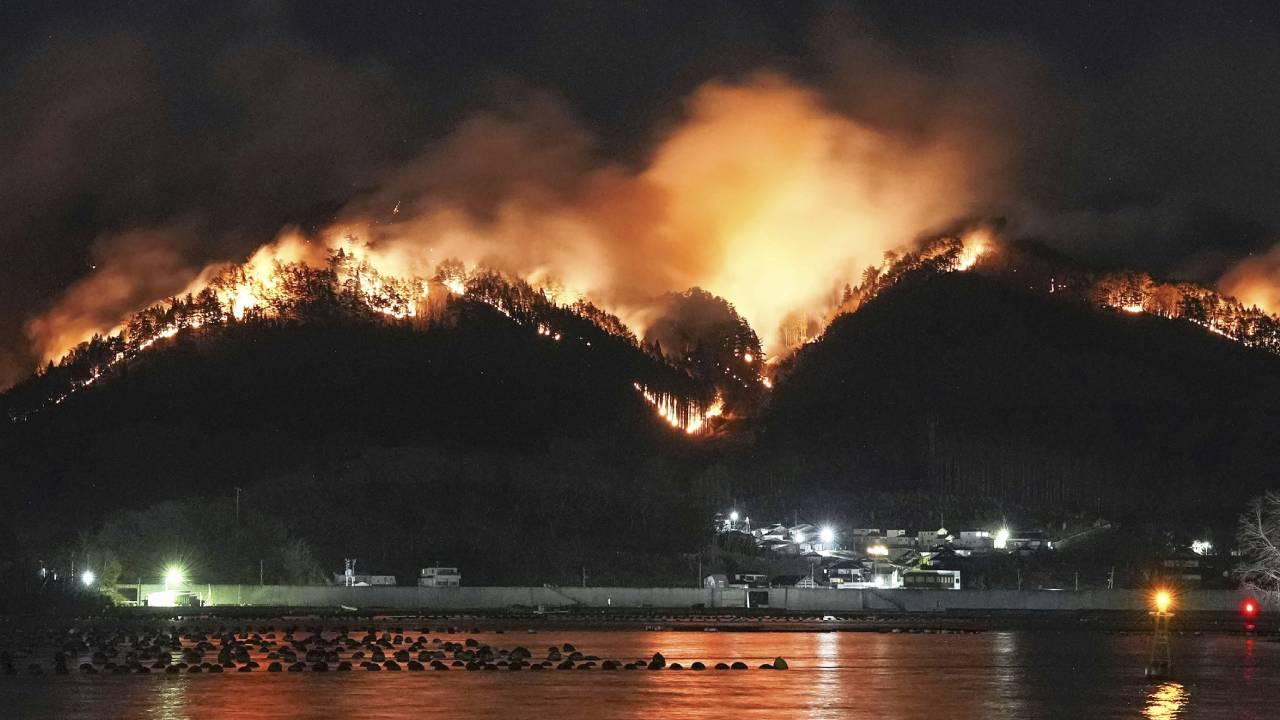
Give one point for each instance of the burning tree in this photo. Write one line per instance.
(1259, 540)
(705, 333)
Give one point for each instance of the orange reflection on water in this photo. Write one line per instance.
(1166, 702)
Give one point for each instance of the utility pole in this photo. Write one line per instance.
(260, 575)
(1077, 581)
(584, 576)
(1111, 578)
(238, 491)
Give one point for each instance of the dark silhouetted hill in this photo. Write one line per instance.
(963, 384)
(202, 414)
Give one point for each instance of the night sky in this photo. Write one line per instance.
(1137, 133)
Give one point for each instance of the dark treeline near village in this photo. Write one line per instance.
(509, 437)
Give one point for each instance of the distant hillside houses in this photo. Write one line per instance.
(874, 557)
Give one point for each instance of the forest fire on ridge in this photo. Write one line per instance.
(297, 276)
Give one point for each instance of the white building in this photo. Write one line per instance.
(885, 575)
(439, 577)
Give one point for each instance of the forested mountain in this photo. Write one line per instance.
(486, 426)
(467, 439)
(974, 385)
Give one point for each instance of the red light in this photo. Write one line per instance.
(1249, 608)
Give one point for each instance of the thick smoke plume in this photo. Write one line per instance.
(1255, 281)
(131, 271)
(761, 194)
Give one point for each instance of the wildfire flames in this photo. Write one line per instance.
(274, 276)
(762, 195)
(682, 415)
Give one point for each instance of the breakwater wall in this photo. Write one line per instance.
(792, 599)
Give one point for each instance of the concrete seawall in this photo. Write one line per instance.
(802, 600)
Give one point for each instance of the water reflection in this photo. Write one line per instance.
(169, 701)
(1008, 676)
(888, 676)
(827, 692)
(1166, 702)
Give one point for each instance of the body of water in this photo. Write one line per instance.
(1018, 674)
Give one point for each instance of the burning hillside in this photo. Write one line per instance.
(696, 335)
(299, 283)
(753, 223)
(761, 195)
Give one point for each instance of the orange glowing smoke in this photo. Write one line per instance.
(762, 195)
(1255, 281)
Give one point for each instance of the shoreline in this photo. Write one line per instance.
(675, 620)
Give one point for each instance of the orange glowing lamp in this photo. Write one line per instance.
(1163, 601)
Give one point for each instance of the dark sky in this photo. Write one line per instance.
(1145, 133)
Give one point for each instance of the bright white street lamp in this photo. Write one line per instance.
(172, 576)
(733, 516)
(87, 577)
(1002, 538)
(827, 535)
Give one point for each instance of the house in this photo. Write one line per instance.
(803, 534)
(926, 539)
(1184, 566)
(718, 581)
(976, 540)
(793, 581)
(1029, 540)
(439, 577)
(363, 579)
(845, 573)
(944, 559)
(780, 546)
(749, 580)
(774, 532)
(885, 575)
(931, 580)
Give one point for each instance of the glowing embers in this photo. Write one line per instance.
(684, 415)
(974, 245)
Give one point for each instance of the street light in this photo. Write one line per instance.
(733, 516)
(1002, 538)
(173, 575)
(87, 577)
(1161, 656)
(827, 535)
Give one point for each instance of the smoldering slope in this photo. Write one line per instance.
(761, 194)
